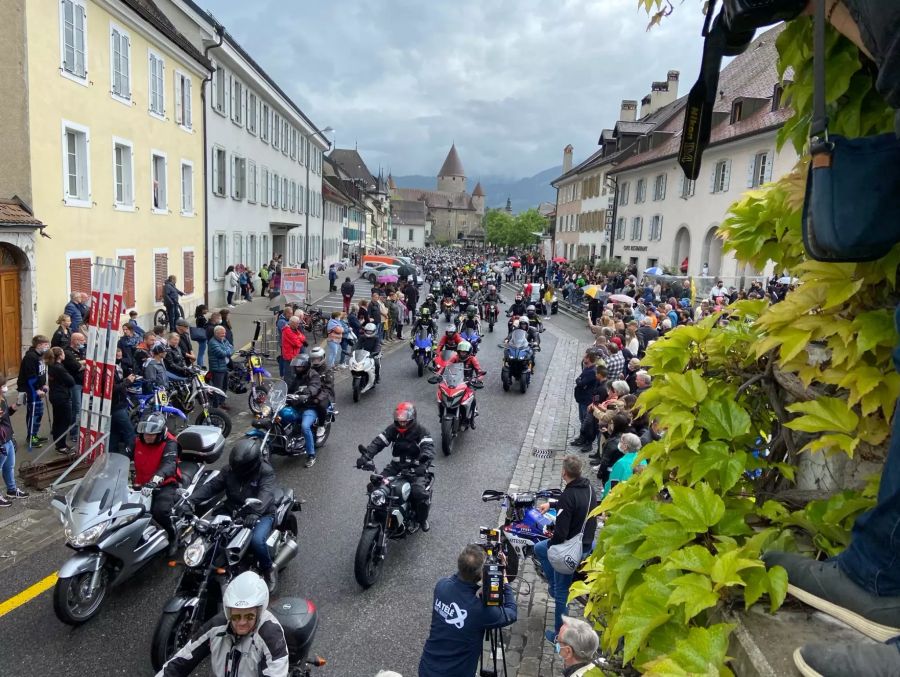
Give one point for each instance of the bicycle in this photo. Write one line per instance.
(161, 316)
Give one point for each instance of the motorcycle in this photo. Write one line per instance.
(423, 349)
(110, 526)
(187, 394)
(456, 403)
(140, 403)
(517, 361)
(249, 375)
(490, 312)
(389, 515)
(523, 526)
(362, 369)
(219, 551)
(447, 306)
(278, 424)
(472, 336)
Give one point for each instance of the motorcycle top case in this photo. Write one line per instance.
(201, 443)
(299, 619)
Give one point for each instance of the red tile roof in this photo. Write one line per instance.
(15, 213)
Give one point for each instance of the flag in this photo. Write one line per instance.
(693, 291)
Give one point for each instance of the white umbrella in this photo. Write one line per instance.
(655, 270)
(788, 280)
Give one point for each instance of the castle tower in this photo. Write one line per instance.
(452, 177)
(478, 198)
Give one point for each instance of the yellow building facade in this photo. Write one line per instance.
(105, 145)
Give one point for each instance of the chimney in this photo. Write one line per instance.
(628, 111)
(673, 84)
(645, 107)
(567, 158)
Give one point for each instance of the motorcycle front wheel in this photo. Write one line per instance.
(215, 417)
(356, 388)
(420, 365)
(523, 383)
(368, 562)
(73, 602)
(173, 631)
(491, 326)
(257, 397)
(447, 435)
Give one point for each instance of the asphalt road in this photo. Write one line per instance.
(360, 632)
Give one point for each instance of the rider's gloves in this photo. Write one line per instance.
(147, 489)
(362, 462)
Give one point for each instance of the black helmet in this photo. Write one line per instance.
(245, 458)
(158, 349)
(153, 423)
(301, 364)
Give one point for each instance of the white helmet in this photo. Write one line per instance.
(247, 591)
(369, 329)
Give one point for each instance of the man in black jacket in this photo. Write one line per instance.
(247, 476)
(32, 386)
(348, 290)
(172, 300)
(307, 387)
(413, 446)
(572, 509)
(74, 364)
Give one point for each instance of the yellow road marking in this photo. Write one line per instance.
(27, 594)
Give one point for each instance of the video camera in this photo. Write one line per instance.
(492, 571)
(728, 34)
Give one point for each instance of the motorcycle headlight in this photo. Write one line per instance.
(266, 411)
(88, 536)
(378, 498)
(193, 554)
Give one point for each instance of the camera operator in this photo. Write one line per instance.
(459, 618)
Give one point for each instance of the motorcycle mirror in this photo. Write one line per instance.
(491, 495)
(434, 380)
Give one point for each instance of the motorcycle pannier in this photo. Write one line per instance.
(201, 443)
(299, 619)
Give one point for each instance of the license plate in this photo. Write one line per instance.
(255, 361)
(163, 397)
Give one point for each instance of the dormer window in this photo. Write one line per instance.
(737, 109)
(777, 96)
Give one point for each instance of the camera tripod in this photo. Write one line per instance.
(493, 636)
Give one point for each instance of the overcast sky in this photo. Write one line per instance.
(510, 81)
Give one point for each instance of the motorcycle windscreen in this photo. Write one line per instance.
(519, 339)
(455, 375)
(360, 356)
(104, 485)
(423, 338)
(277, 397)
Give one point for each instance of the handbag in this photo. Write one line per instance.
(198, 334)
(851, 211)
(566, 556)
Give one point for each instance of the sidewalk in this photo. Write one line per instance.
(554, 421)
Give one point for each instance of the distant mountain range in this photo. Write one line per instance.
(523, 193)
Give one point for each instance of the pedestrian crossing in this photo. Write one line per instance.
(334, 301)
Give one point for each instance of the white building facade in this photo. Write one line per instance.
(263, 165)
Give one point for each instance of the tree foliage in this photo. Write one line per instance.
(506, 230)
(740, 402)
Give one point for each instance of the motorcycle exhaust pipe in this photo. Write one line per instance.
(288, 552)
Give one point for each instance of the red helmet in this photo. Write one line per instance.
(463, 294)
(404, 416)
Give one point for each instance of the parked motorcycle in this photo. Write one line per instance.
(248, 376)
(362, 369)
(141, 403)
(278, 424)
(517, 361)
(423, 349)
(195, 393)
(110, 527)
(456, 403)
(389, 515)
(219, 551)
(524, 526)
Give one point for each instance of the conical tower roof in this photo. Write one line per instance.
(452, 165)
(391, 184)
(479, 191)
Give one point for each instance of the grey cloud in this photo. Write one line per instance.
(510, 81)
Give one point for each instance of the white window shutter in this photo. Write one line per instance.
(751, 166)
(659, 227)
(727, 181)
(215, 170)
(214, 87)
(233, 177)
(665, 178)
(80, 21)
(125, 65)
(712, 178)
(681, 185)
(769, 162)
(226, 82)
(188, 103)
(179, 106)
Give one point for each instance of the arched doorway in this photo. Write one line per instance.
(712, 252)
(681, 250)
(12, 263)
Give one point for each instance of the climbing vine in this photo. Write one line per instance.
(741, 403)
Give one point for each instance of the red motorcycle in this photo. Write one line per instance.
(447, 306)
(490, 313)
(456, 402)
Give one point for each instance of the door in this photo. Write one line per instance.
(10, 323)
(279, 245)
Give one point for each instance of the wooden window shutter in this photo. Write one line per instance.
(188, 258)
(128, 289)
(160, 273)
(80, 275)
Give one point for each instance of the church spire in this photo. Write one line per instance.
(508, 204)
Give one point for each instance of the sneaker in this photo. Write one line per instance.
(425, 525)
(231, 306)
(577, 442)
(16, 493)
(36, 441)
(824, 586)
(310, 462)
(4, 503)
(838, 660)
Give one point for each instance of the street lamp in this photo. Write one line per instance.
(306, 138)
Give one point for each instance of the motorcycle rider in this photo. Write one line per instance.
(533, 318)
(247, 476)
(309, 386)
(430, 304)
(424, 320)
(413, 446)
(326, 374)
(470, 320)
(472, 369)
(490, 297)
(156, 470)
(369, 341)
(517, 308)
(246, 638)
(449, 341)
